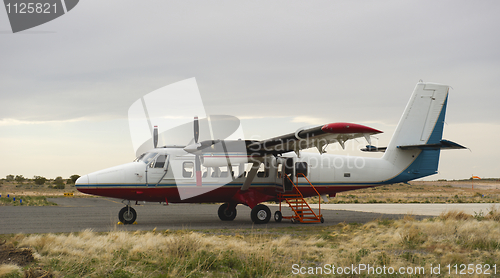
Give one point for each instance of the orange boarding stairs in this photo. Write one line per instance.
(301, 209)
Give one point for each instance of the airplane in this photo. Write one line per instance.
(276, 169)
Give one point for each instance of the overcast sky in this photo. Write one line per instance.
(66, 86)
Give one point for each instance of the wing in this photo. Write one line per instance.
(304, 138)
(318, 136)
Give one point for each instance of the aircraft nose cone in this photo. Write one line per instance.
(83, 180)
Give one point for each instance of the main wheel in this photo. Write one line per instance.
(278, 216)
(261, 214)
(127, 215)
(226, 214)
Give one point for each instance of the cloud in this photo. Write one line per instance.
(15, 122)
(317, 56)
(308, 120)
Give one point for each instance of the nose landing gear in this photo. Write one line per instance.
(127, 215)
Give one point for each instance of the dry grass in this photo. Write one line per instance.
(452, 238)
(28, 188)
(455, 215)
(9, 270)
(141, 254)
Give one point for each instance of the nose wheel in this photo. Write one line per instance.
(127, 215)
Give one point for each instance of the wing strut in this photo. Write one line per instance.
(251, 176)
(229, 166)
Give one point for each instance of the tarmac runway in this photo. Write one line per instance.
(101, 215)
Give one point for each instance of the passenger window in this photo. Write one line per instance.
(239, 171)
(224, 172)
(204, 171)
(301, 168)
(187, 169)
(263, 171)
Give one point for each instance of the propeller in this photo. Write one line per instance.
(197, 149)
(155, 136)
(196, 129)
(197, 159)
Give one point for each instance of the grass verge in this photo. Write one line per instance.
(25, 201)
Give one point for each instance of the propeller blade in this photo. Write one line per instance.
(197, 165)
(155, 136)
(197, 158)
(196, 129)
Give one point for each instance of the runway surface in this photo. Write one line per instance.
(101, 214)
(415, 209)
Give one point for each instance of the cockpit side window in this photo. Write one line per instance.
(160, 161)
(146, 157)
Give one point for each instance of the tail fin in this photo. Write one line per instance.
(421, 125)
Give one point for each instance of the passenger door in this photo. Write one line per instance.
(284, 168)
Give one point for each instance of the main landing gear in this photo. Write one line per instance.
(261, 214)
(227, 212)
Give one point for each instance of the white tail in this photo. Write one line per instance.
(421, 124)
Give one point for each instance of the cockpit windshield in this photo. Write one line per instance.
(145, 157)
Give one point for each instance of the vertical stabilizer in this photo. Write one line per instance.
(421, 123)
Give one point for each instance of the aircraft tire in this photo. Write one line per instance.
(278, 216)
(261, 214)
(126, 217)
(223, 213)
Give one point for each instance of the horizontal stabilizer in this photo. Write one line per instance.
(443, 144)
(370, 148)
